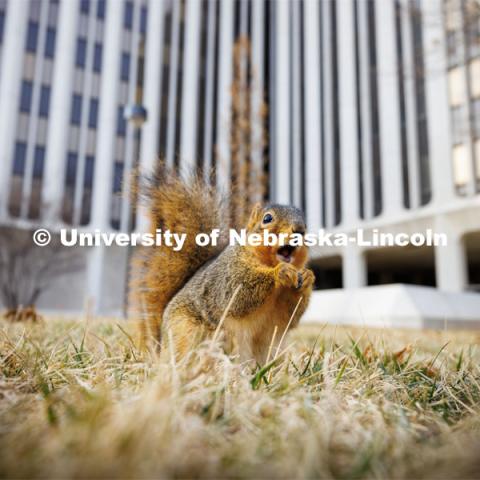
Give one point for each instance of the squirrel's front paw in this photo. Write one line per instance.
(308, 279)
(288, 276)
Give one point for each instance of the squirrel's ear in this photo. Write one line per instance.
(255, 215)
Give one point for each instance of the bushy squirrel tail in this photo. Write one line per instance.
(183, 203)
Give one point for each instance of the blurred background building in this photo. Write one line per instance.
(363, 113)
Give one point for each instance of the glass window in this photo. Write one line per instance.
(93, 113)
(76, 113)
(128, 15)
(473, 30)
(2, 24)
(101, 9)
(71, 172)
(44, 101)
(35, 10)
(459, 127)
(32, 34)
(38, 161)
(456, 87)
(50, 42)
(477, 161)
(85, 6)
(81, 54)
(118, 177)
(476, 117)
(461, 169)
(475, 77)
(19, 158)
(89, 164)
(453, 15)
(454, 43)
(143, 19)
(125, 69)
(97, 58)
(26, 96)
(121, 122)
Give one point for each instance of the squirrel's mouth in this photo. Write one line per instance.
(285, 253)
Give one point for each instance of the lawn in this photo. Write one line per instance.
(78, 399)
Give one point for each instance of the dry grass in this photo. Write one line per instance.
(84, 402)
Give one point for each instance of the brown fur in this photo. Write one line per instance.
(181, 205)
(189, 291)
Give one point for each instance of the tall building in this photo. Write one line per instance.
(363, 113)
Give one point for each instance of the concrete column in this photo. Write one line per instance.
(225, 66)
(354, 267)
(389, 113)
(60, 104)
(257, 115)
(438, 111)
(190, 84)
(282, 102)
(83, 127)
(106, 133)
(450, 261)
(151, 99)
(348, 114)
(326, 19)
(313, 126)
(11, 68)
(105, 154)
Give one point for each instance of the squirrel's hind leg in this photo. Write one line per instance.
(182, 332)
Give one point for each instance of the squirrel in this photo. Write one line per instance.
(257, 289)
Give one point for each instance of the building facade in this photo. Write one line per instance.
(363, 113)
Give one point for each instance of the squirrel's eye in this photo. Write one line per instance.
(267, 218)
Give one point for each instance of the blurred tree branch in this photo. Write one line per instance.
(27, 270)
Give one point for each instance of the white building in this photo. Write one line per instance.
(373, 122)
